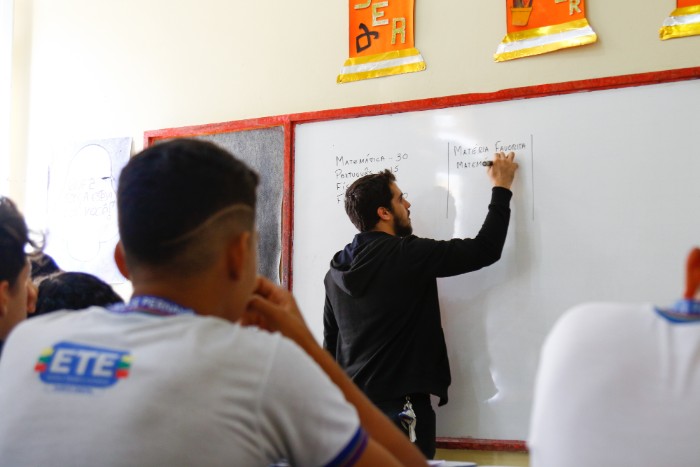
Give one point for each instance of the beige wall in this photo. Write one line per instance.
(86, 69)
(91, 69)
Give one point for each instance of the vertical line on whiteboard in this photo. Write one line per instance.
(532, 171)
(447, 200)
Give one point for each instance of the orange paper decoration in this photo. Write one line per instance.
(381, 40)
(540, 26)
(683, 21)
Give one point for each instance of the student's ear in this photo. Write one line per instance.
(238, 254)
(4, 297)
(120, 259)
(383, 213)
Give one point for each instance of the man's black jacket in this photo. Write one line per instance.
(382, 316)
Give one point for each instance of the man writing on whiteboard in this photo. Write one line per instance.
(381, 314)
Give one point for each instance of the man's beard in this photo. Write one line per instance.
(403, 230)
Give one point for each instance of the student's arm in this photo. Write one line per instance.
(275, 309)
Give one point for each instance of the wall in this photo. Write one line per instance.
(86, 69)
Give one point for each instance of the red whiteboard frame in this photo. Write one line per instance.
(288, 122)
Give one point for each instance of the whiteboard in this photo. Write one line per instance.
(605, 207)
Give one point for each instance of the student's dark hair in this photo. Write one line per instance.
(73, 291)
(14, 237)
(42, 265)
(365, 196)
(169, 190)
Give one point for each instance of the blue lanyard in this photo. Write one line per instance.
(682, 311)
(151, 305)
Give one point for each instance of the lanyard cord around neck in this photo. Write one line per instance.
(151, 305)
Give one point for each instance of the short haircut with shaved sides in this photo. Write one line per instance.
(178, 199)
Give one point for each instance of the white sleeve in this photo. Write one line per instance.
(304, 415)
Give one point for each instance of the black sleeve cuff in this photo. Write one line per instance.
(500, 195)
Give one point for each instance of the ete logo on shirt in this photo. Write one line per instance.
(82, 366)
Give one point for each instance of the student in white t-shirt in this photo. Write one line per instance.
(619, 385)
(206, 365)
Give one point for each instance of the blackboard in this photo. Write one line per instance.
(262, 148)
(605, 207)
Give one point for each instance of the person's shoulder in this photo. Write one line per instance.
(289, 356)
(58, 324)
(220, 329)
(414, 240)
(53, 319)
(31, 334)
(601, 312)
(222, 339)
(220, 325)
(415, 245)
(596, 320)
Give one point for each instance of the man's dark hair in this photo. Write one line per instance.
(14, 237)
(169, 191)
(365, 196)
(73, 291)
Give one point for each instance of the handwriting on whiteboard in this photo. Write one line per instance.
(469, 157)
(350, 168)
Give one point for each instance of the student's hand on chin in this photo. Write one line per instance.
(272, 308)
